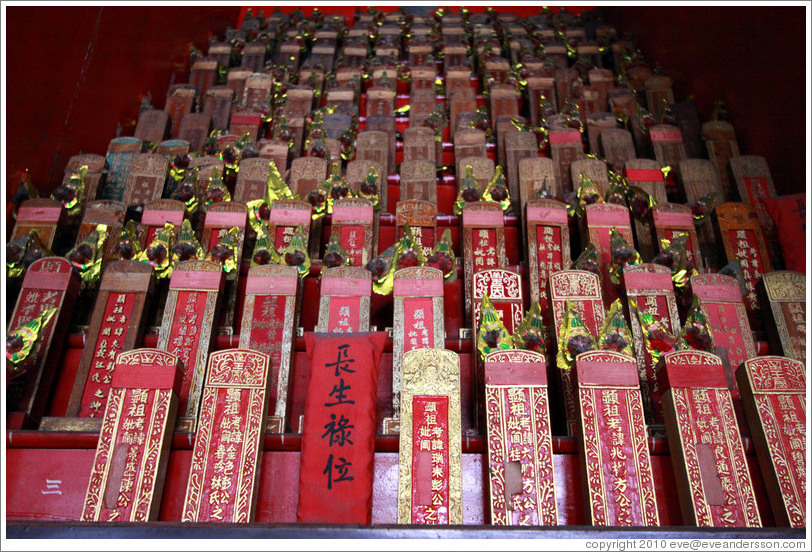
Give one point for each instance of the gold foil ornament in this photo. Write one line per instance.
(23, 251)
(574, 338)
(588, 260)
(587, 194)
(623, 254)
(216, 191)
(696, 332)
(530, 334)
(442, 257)
(497, 189)
(225, 252)
(86, 256)
(158, 253)
(21, 341)
(187, 247)
(335, 255)
(295, 254)
(187, 191)
(264, 250)
(71, 193)
(468, 190)
(615, 334)
(658, 339)
(491, 332)
(128, 246)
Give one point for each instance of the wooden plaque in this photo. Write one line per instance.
(583, 289)
(659, 95)
(286, 215)
(596, 123)
(220, 218)
(740, 231)
(603, 80)
(49, 282)
(565, 79)
(120, 155)
(483, 230)
(109, 213)
(699, 178)
(565, 147)
(236, 80)
(180, 99)
(461, 101)
(651, 288)
(227, 454)
(646, 174)
(483, 169)
(418, 180)
(753, 183)
(152, 125)
(257, 91)
(536, 173)
(170, 148)
(221, 51)
(253, 55)
(520, 452)
(157, 213)
(352, 227)
(345, 300)
(518, 146)
(380, 101)
(299, 101)
(116, 325)
(344, 98)
(504, 102)
(307, 174)
(41, 214)
(430, 451)
(468, 142)
(671, 219)
(245, 122)
(421, 216)
(387, 125)
(357, 172)
(129, 468)
(666, 140)
(146, 179)
(600, 219)
(194, 128)
(96, 169)
(713, 479)
(724, 308)
(374, 145)
(785, 317)
(217, 104)
(538, 86)
(721, 145)
(613, 443)
(616, 146)
(419, 323)
(594, 169)
(186, 329)
(548, 247)
(419, 145)
(774, 392)
(252, 180)
(202, 75)
(422, 75)
(276, 151)
(269, 318)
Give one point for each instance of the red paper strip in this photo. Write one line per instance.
(405, 287)
(565, 137)
(39, 214)
(662, 135)
(644, 175)
(345, 314)
(352, 240)
(430, 465)
(184, 339)
(109, 343)
(482, 218)
(546, 214)
(418, 313)
(338, 437)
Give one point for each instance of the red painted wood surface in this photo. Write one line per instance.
(49, 484)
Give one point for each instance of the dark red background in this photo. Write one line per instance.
(64, 97)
